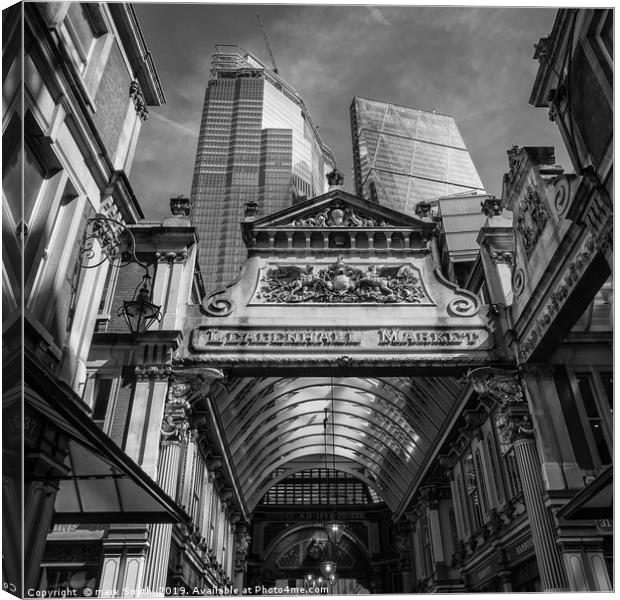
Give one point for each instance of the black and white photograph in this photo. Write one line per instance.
(306, 299)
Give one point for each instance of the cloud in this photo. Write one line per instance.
(474, 63)
(377, 15)
(184, 129)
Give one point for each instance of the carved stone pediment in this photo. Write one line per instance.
(334, 209)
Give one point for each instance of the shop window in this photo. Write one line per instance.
(102, 401)
(481, 483)
(508, 458)
(497, 481)
(56, 581)
(594, 404)
(453, 530)
(471, 488)
(425, 540)
(464, 513)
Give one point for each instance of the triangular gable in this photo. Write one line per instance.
(337, 209)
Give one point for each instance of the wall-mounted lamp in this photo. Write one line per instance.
(118, 247)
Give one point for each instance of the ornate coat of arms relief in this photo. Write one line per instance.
(340, 283)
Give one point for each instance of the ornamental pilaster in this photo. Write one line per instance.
(242, 546)
(497, 252)
(505, 388)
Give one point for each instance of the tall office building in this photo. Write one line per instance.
(403, 155)
(257, 143)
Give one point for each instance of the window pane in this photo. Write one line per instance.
(608, 386)
(102, 397)
(33, 180)
(82, 27)
(594, 418)
(585, 387)
(11, 175)
(495, 471)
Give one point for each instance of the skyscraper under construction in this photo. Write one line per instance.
(257, 143)
(403, 155)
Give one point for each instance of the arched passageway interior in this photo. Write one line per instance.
(379, 429)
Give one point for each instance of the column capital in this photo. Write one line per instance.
(172, 256)
(518, 426)
(153, 372)
(502, 385)
(194, 383)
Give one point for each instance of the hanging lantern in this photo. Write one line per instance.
(328, 568)
(309, 580)
(139, 312)
(335, 531)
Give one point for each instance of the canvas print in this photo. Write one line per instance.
(306, 299)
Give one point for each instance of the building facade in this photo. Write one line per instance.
(457, 436)
(257, 143)
(402, 155)
(78, 82)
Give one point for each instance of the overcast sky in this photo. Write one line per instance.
(473, 63)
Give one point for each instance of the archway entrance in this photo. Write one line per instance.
(336, 372)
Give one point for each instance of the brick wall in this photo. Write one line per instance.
(112, 99)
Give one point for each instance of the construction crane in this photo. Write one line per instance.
(274, 68)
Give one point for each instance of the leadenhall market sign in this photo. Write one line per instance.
(205, 339)
(339, 280)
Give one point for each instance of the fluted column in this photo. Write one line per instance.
(505, 389)
(542, 524)
(174, 435)
(186, 387)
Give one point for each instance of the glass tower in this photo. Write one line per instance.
(257, 143)
(403, 155)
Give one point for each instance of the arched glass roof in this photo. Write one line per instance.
(378, 429)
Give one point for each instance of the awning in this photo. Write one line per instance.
(103, 484)
(595, 501)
